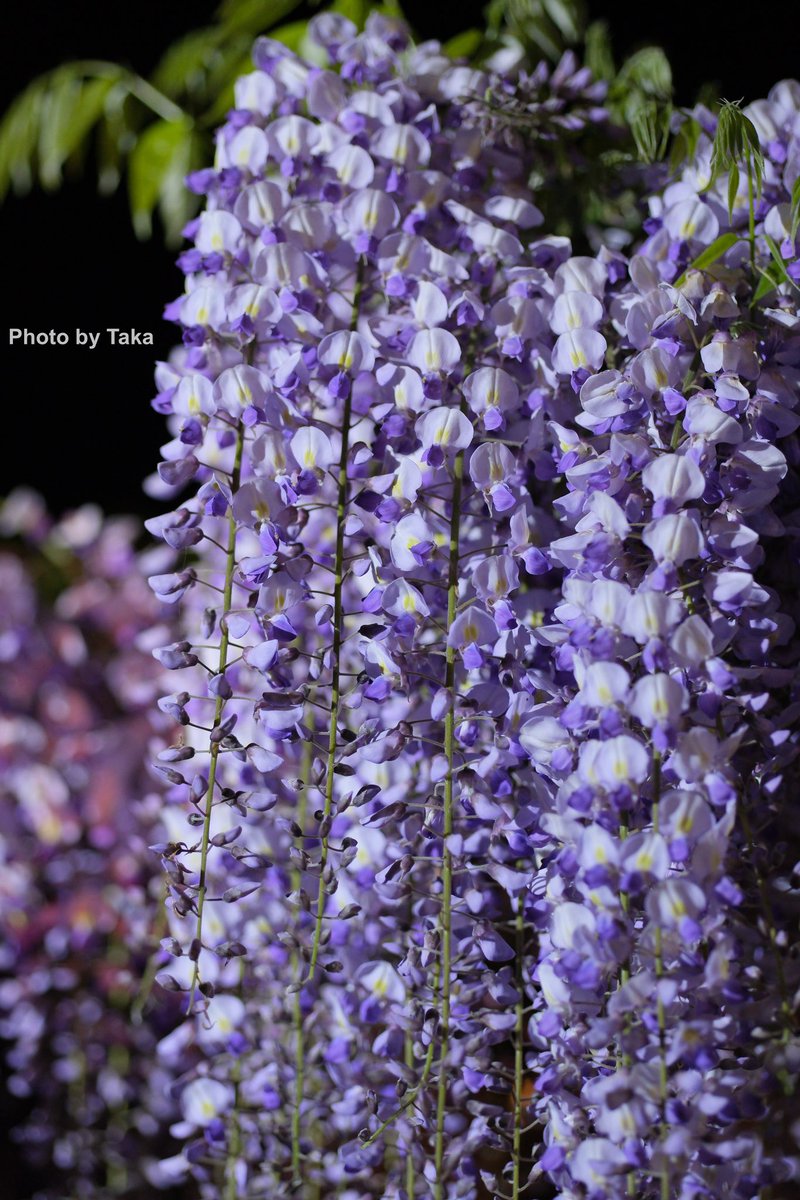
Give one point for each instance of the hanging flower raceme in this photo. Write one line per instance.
(666, 733)
(475, 625)
(358, 388)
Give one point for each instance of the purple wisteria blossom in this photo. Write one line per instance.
(485, 658)
(666, 1010)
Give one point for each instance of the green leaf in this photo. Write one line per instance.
(567, 16)
(645, 134)
(185, 65)
(234, 58)
(795, 208)
(157, 165)
(733, 189)
(647, 71)
(356, 11)
(598, 54)
(777, 258)
(71, 107)
(684, 146)
(775, 274)
(253, 16)
(464, 45)
(768, 284)
(650, 125)
(91, 107)
(176, 204)
(550, 25)
(115, 139)
(19, 134)
(710, 255)
(539, 34)
(59, 102)
(495, 17)
(736, 144)
(291, 35)
(224, 96)
(715, 251)
(528, 22)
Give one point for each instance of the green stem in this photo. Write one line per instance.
(751, 213)
(677, 434)
(447, 865)
(623, 1057)
(338, 621)
(411, 1096)
(234, 1138)
(151, 970)
(519, 1056)
(297, 1012)
(663, 1078)
(299, 1085)
(408, 1099)
(408, 1058)
(624, 900)
(227, 595)
(116, 1169)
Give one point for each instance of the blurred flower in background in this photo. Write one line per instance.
(80, 894)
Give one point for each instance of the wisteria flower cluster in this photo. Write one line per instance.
(487, 663)
(80, 901)
(357, 316)
(479, 737)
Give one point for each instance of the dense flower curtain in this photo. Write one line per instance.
(477, 733)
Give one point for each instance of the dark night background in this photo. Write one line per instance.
(77, 423)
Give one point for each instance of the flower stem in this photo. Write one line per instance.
(663, 1081)
(623, 1057)
(234, 1138)
(447, 865)
(338, 621)
(411, 1096)
(148, 979)
(116, 1168)
(297, 1012)
(408, 1058)
(519, 1056)
(751, 213)
(222, 662)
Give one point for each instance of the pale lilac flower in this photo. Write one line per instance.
(491, 466)
(472, 629)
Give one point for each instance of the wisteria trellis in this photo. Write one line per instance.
(485, 649)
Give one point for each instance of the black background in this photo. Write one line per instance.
(76, 423)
